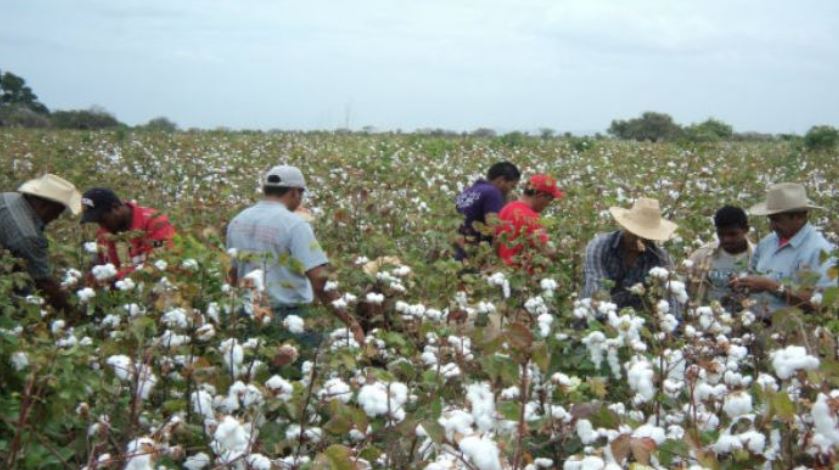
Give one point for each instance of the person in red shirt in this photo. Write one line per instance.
(519, 220)
(153, 230)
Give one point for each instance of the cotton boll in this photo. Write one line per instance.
(753, 441)
(202, 403)
(737, 404)
(104, 272)
(122, 366)
(456, 422)
(197, 462)
(335, 389)
(483, 405)
(19, 360)
(655, 433)
(482, 451)
(140, 454)
(640, 377)
(258, 462)
(280, 387)
(85, 295)
(791, 359)
(294, 324)
(586, 432)
(825, 420)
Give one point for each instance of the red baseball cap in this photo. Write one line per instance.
(545, 184)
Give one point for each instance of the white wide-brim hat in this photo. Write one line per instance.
(784, 197)
(56, 189)
(644, 220)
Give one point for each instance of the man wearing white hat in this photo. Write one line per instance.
(24, 215)
(619, 260)
(788, 262)
(271, 237)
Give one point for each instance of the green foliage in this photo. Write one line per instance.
(650, 126)
(91, 119)
(821, 138)
(16, 94)
(711, 130)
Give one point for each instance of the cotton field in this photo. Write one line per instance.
(491, 369)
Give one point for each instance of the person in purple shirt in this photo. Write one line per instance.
(480, 201)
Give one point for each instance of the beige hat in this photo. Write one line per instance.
(56, 189)
(644, 220)
(784, 197)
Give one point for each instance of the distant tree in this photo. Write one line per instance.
(513, 139)
(821, 138)
(483, 132)
(161, 124)
(90, 119)
(546, 133)
(15, 93)
(709, 130)
(650, 126)
(368, 129)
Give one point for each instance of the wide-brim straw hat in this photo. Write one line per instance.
(644, 220)
(56, 189)
(784, 197)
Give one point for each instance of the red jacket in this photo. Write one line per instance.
(154, 230)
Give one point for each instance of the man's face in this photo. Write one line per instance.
(787, 224)
(112, 221)
(541, 201)
(507, 186)
(296, 199)
(733, 239)
(633, 242)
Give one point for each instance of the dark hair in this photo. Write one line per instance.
(505, 170)
(731, 216)
(276, 191)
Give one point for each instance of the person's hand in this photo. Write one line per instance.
(754, 283)
(357, 331)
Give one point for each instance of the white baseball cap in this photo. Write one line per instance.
(284, 176)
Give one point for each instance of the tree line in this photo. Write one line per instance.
(20, 107)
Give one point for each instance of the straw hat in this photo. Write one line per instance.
(644, 220)
(784, 197)
(56, 189)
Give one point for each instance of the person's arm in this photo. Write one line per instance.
(595, 274)
(754, 283)
(34, 251)
(305, 249)
(160, 232)
(318, 277)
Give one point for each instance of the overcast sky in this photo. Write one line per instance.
(764, 65)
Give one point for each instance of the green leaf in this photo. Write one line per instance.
(337, 457)
(782, 406)
(510, 410)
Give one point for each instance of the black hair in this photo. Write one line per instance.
(505, 170)
(276, 191)
(731, 216)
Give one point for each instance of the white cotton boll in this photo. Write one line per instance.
(330, 286)
(91, 247)
(640, 377)
(171, 340)
(374, 298)
(548, 284)
(433, 314)
(767, 382)
(542, 462)
(139, 454)
(483, 405)
(456, 422)
(189, 264)
(202, 403)
(753, 441)
(122, 366)
(57, 326)
(659, 273)
(175, 318)
(482, 451)
(585, 431)
(205, 332)
(255, 279)
(726, 444)
(450, 370)
(335, 389)
(545, 321)
(668, 323)
(401, 271)
(258, 462)
(125, 285)
(161, 265)
(85, 294)
(147, 381)
(104, 272)
(536, 305)
(280, 387)
(197, 462)
(19, 360)
(339, 304)
(230, 438)
(791, 359)
(737, 404)
(590, 462)
(294, 324)
(655, 433)
(594, 343)
(825, 420)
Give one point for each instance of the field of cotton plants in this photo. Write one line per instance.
(494, 369)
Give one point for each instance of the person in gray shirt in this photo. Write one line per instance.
(24, 215)
(271, 237)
